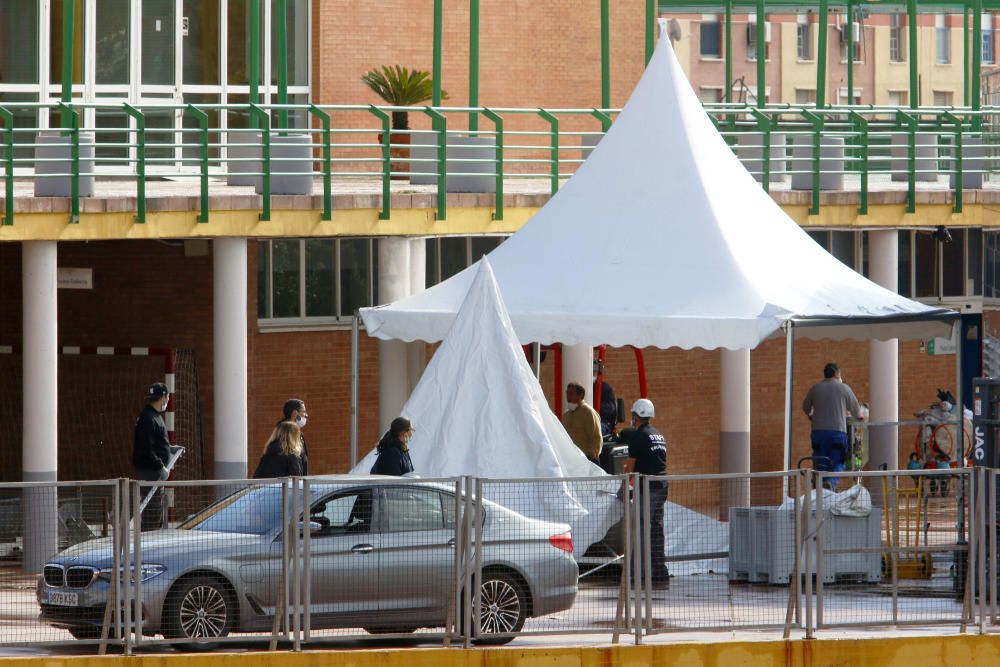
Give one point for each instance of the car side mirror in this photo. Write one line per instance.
(620, 408)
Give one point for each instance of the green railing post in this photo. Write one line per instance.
(759, 34)
(69, 51)
(386, 211)
(965, 56)
(861, 127)
(253, 67)
(605, 55)
(8, 159)
(140, 161)
(957, 122)
(650, 28)
(438, 31)
(821, 49)
(764, 123)
(498, 124)
(729, 51)
(553, 150)
(603, 117)
(202, 119)
(282, 47)
(327, 161)
(904, 119)
(265, 154)
(473, 65)
(73, 129)
(850, 52)
(977, 62)
(817, 125)
(440, 125)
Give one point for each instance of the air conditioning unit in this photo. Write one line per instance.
(855, 32)
(752, 32)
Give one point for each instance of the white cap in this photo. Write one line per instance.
(643, 408)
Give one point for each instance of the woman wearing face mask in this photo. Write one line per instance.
(295, 412)
(283, 453)
(393, 452)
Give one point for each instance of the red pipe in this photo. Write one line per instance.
(641, 365)
(600, 377)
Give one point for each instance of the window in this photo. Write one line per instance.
(448, 255)
(925, 265)
(803, 37)
(343, 514)
(898, 98)
(710, 95)
(987, 34)
(991, 265)
(944, 98)
(753, 37)
(896, 46)
(842, 96)
(942, 40)
(315, 280)
(413, 508)
(805, 96)
(710, 33)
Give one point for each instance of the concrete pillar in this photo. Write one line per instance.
(578, 366)
(40, 400)
(734, 428)
(393, 364)
(229, 345)
(884, 367)
(416, 351)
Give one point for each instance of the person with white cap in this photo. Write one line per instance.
(649, 449)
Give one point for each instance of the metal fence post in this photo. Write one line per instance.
(980, 522)
(861, 127)
(327, 160)
(477, 570)
(553, 150)
(306, 583)
(468, 579)
(8, 121)
(440, 125)
(809, 546)
(73, 128)
(386, 211)
(957, 122)
(992, 537)
(820, 549)
(202, 119)
(265, 155)
(129, 574)
(498, 125)
(140, 161)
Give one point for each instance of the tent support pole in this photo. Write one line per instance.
(789, 368)
(354, 391)
(959, 399)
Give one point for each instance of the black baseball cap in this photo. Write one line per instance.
(157, 390)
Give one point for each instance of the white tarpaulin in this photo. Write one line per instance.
(479, 410)
(662, 238)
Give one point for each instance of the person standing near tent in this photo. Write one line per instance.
(649, 449)
(295, 412)
(393, 452)
(282, 454)
(151, 451)
(827, 405)
(582, 422)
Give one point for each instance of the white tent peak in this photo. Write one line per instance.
(662, 238)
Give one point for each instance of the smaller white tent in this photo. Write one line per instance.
(479, 410)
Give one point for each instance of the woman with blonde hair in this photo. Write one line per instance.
(283, 453)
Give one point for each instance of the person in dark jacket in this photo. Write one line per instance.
(151, 451)
(283, 453)
(649, 449)
(295, 412)
(393, 453)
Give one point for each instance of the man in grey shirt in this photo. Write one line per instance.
(827, 405)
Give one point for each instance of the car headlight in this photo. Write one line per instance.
(146, 571)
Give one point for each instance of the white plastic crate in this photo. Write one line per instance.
(762, 546)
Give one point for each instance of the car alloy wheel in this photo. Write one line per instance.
(203, 612)
(502, 605)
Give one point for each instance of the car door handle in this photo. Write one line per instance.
(362, 548)
(451, 543)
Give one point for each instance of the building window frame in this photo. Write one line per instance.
(988, 51)
(710, 26)
(803, 38)
(897, 46)
(942, 40)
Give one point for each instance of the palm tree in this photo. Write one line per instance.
(401, 87)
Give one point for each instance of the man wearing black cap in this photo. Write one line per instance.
(151, 450)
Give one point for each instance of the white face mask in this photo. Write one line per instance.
(572, 406)
(163, 405)
(300, 422)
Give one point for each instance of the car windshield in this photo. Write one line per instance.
(255, 511)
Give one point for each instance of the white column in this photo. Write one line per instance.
(578, 366)
(884, 365)
(393, 284)
(39, 450)
(416, 351)
(734, 428)
(229, 344)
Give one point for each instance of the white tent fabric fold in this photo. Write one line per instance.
(479, 410)
(663, 207)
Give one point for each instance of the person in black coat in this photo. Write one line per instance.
(151, 451)
(283, 453)
(393, 453)
(295, 411)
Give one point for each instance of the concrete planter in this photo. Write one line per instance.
(973, 163)
(243, 158)
(54, 145)
(750, 151)
(925, 156)
(291, 165)
(831, 163)
(464, 175)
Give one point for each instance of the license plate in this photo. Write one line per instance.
(64, 599)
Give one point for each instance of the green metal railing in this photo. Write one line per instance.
(350, 144)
